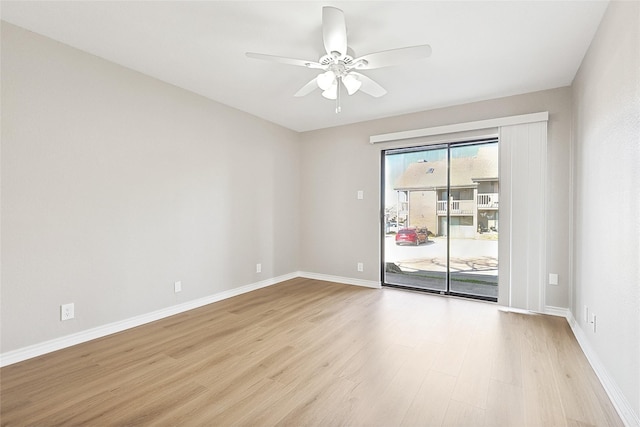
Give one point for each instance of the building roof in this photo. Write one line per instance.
(465, 171)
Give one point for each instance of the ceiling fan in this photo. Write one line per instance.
(339, 69)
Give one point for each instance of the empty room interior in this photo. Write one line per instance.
(304, 213)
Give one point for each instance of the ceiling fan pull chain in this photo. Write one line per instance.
(338, 106)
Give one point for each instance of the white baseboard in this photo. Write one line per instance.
(39, 349)
(508, 309)
(339, 279)
(548, 309)
(620, 402)
(557, 311)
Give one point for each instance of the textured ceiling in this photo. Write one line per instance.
(481, 49)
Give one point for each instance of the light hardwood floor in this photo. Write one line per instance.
(306, 352)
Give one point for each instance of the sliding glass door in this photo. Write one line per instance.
(415, 254)
(441, 218)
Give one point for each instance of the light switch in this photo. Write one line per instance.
(553, 279)
(360, 194)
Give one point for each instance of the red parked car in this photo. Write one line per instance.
(412, 236)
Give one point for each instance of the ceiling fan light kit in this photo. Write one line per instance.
(338, 68)
(352, 83)
(331, 92)
(326, 80)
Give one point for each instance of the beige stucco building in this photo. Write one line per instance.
(473, 201)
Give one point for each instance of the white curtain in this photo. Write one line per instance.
(522, 254)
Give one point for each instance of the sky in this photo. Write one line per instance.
(396, 164)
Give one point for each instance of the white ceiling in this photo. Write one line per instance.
(481, 49)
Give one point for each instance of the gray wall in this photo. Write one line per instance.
(606, 93)
(339, 231)
(97, 159)
(115, 185)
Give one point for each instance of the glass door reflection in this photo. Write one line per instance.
(473, 220)
(441, 218)
(415, 239)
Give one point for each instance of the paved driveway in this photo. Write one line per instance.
(474, 265)
(480, 256)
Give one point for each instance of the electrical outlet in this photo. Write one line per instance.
(593, 322)
(67, 311)
(258, 268)
(177, 287)
(360, 194)
(360, 266)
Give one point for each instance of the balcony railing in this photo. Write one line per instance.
(467, 207)
(488, 201)
(457, 207)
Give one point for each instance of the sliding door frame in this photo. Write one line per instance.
(536, 123)
(428, 147)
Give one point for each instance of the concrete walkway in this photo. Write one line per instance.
(473, 263)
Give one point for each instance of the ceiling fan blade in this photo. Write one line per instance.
(308, 88)
(369, 86)
(389, 58)
(334, 30)
(283, 60)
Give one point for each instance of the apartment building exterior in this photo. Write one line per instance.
(423, 196)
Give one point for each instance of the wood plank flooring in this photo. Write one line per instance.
(306, 352)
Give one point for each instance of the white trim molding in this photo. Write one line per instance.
(55, 344)
(460, 127)
(620, 402)
(557, 311)
(548, 309)
(340, 279)
(508, 309)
